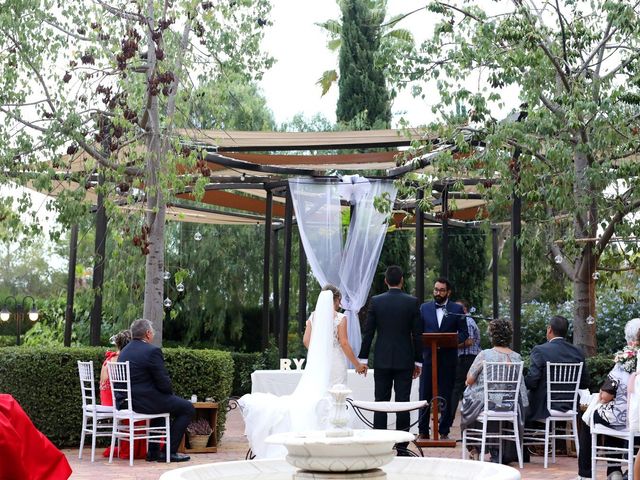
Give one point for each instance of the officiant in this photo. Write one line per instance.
(441, 316)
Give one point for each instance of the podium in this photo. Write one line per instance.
(434, 341)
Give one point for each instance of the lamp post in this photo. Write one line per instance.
(20, 308)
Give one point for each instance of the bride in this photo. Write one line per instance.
(307, 408)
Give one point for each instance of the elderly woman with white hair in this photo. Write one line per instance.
(611, 410)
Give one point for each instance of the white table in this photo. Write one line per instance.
(284, 382)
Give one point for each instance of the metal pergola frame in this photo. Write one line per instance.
(250, 186)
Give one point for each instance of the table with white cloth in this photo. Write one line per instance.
(284, 382)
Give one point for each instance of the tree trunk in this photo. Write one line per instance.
(585, 227)
(584, 335)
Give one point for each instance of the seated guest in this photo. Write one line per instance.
(120, 340)
(611, 409)
(151, 389)
(25, 453)
(555, 350)
(500, 332)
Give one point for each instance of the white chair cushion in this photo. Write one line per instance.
(559, 413)
(612, 432)
(389, 407)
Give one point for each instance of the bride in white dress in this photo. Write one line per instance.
(307, 408)
(341, 350)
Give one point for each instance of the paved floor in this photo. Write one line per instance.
(234, 446)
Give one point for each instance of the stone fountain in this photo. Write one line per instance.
(344, 454)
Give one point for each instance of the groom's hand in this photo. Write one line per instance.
(416, 371)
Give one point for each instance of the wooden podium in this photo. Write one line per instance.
(434, 341)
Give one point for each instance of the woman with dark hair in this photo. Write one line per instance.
(500, 332)
(120, 340)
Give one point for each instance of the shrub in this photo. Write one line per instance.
(244, 365)
(45, 382)
(598, 366)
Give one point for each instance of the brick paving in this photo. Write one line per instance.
(233, 446)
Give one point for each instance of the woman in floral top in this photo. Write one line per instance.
(612, 408)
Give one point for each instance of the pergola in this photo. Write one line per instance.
(248, 184)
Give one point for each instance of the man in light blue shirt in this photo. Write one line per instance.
(467, 352)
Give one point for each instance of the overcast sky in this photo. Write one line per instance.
(299, 47)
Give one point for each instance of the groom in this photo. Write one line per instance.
(397, 361)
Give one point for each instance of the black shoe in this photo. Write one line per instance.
(175, 458)
(154, 457)
(444, 436)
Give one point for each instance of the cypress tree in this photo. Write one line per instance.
(362, 89)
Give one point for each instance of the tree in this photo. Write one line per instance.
(362, 89)
(394, 42)
(570, 150)
(467, 263)
(106, 82)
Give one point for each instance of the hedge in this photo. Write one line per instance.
(45, 382)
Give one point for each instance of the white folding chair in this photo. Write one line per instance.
(97, 420)
(605, 452)
(360, 407)
(124, 420)
(563, 382)
(501, 395)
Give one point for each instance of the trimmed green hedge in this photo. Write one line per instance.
(45, 382)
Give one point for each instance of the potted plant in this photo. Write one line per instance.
(198, 433)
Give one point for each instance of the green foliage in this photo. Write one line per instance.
(244, 365)
(574, 133)
(599, 367)
(467, 263)
(396, 250)
(363, 90)
(101, 76)
(45, 383)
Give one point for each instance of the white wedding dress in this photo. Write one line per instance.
(307, 408)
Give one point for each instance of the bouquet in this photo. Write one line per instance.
(627, 358)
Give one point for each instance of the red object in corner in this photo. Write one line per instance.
(25, 453)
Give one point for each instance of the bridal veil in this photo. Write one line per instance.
(306, 409)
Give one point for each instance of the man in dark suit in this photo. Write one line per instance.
(397, 361)
(441, 316)
(555, 350)
(151, 390)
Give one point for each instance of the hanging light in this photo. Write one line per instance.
(558, 259)
(590, 320)
(5, 314)
(167, 302)
(180, 287)
(197, 236)
(596, 275)
(33, 314)
(166, 275)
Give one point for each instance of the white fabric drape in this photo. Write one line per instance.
(318, 215)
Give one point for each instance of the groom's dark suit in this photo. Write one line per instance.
(454, 321)
(394, 317)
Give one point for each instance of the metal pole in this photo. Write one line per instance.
(266, 291)
(494, 271)
(286, 276)
(302, 297)
(19, 309)
(516, 258)
(275, 328)
(71, 284)
(98, 269)
(444, 260)
(419, 247)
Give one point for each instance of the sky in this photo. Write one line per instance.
(299, 47)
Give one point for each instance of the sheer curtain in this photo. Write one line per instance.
(317, 210)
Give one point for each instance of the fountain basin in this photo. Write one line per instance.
(401, 468)
(356, 451)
